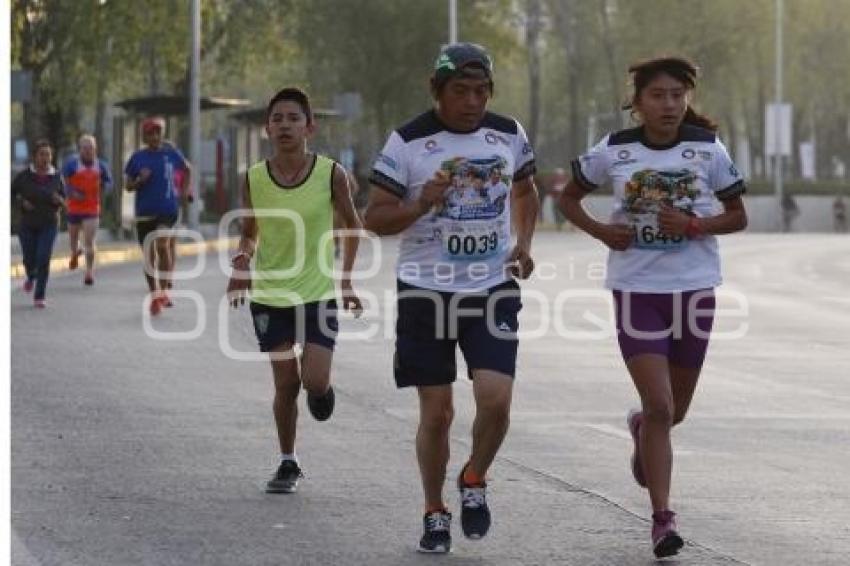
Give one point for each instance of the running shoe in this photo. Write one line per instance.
(665, 540)
(634, 420)
(436, 533)
(39, 304)
(88, 280)
(165, 300)
(155, 306)
(474, 512)
(28, 285)
(322, 406)
(286, 478)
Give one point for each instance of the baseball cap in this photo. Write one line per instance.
(152, 123)
(459, 60)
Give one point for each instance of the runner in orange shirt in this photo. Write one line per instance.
(87, 178)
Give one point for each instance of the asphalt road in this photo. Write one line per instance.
(130, 448)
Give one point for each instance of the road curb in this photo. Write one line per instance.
(132, 252)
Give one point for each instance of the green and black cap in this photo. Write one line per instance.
(465, 60)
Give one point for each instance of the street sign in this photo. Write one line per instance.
(777, 129)
(21, 86)
(20, 151)
(807, 160)
(349, 104)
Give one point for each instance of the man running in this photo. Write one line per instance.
(457, 259)
(289, 203)
(87, 178)
(150, 173)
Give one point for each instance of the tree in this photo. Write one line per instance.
(533, 27)
(382, 50)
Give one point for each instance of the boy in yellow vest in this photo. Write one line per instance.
(289, 202)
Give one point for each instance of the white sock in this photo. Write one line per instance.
(292, 457)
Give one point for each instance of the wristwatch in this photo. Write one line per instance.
(239, 256)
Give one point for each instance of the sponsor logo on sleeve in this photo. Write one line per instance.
(624, 157)
(493, 138)
(388, 161)
(431, 147)
(688, 153)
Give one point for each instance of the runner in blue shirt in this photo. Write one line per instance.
(150, 174)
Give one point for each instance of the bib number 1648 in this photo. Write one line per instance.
(648, 235)
(651, 236)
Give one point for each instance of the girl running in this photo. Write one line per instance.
(668, 175)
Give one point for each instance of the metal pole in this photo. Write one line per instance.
(452, 21)
(777, 178)
(195, 115)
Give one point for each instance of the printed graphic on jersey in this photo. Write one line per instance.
(471, 224)
(478, 188)
(647, 190)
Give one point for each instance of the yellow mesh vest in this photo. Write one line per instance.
(295, 249)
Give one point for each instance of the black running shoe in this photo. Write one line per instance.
(321, 406)
(286, 478)
(436, 535)
(474, 513)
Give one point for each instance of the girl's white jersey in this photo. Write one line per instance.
(692, 174)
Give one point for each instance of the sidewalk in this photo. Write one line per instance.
(111, 251)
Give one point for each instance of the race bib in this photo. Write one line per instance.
(646, 192)
(647, 235)
(465, 243)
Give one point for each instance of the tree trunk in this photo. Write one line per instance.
(565, 20)
(33, 111)
(761, 101)
(532, 38)
(610, 57)
(100, 90)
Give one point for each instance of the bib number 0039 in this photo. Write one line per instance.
(468, 246)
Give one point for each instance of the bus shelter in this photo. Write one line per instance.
(127, 138)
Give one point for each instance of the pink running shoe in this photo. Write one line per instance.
(39, 304)
(665, 540)
(28, 285)
(634, 421)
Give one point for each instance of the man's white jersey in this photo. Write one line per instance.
(691, 174)
(464, 245)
